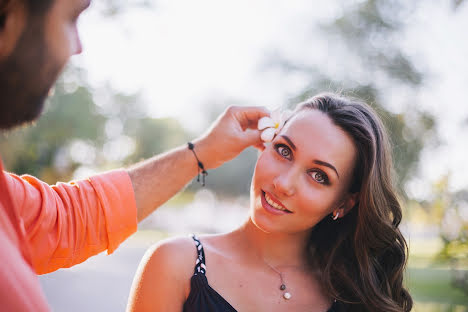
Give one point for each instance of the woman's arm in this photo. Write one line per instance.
(162, 281)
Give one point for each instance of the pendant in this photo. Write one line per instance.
(287, 296)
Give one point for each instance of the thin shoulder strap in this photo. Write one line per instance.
(200, 266)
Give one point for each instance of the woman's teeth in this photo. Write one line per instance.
(273, 204)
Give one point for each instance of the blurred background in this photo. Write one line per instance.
(155, 73)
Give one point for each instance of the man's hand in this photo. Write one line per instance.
(159, 178)
(230, 134)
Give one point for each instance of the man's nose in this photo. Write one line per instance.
(78, 48)
(75, 42)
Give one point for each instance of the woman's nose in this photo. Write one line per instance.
(284, 183)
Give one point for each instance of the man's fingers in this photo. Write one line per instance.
(252, 137)
(248, 116)
(260, 146)
(254, 113)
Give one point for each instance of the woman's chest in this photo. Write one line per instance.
(263, 289)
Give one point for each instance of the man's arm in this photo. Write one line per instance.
(157, 179)
(67, 223)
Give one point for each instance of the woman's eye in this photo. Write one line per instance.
(319, 176)
(284, 151)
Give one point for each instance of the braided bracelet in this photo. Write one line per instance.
(201, 168)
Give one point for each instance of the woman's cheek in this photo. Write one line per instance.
(269, 166)
(318, 202)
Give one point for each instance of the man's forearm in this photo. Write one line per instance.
(159, 178)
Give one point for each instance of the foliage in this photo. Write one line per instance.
(434, 285)
(454, 234)
(449, 210)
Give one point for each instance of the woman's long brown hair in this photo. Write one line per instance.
(360, 258)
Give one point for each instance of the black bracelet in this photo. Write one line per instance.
(201, 168)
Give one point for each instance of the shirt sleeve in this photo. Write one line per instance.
(69, 222)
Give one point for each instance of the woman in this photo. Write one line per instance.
(322, 233)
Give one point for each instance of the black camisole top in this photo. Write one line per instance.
(203, 298)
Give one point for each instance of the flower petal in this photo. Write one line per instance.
(265, 122)
(268, 134)
(285, 115)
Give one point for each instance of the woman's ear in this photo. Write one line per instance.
(348, 204)
(13, 22)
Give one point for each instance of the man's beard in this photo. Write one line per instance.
(26, 77)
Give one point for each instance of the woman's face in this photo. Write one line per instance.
(303, 175)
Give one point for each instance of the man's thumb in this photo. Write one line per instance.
(252, 137)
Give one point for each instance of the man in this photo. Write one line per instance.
(42, 227)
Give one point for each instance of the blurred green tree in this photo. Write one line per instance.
(449, 210)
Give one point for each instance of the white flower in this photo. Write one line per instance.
(272, 125)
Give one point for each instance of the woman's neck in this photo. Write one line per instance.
(275, 249)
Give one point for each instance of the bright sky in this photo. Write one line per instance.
(182, 54)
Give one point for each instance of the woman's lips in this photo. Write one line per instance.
(273, 205)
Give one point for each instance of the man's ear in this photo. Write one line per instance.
(12, 23)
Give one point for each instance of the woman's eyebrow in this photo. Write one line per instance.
(324, 163)
(289, 141)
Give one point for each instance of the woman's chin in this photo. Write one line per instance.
(259, 225)
(266, 224)
(263, 223)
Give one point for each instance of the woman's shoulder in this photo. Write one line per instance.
(163, 276)
(177, 253)
(180, 253)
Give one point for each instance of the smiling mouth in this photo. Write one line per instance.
(274, 204)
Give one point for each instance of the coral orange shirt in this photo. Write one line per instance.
(44, 228)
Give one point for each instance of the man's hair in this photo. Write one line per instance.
(34, 8)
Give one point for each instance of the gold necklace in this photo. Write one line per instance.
(286, 294)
